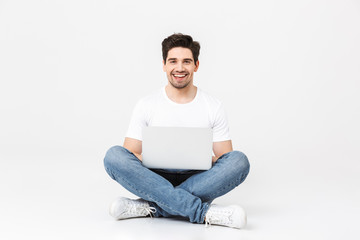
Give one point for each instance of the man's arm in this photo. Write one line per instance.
(221, 148)
(134, 146)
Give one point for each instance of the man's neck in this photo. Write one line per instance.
(182, 95)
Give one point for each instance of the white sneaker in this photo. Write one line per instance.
(231, 216)
(123, 208)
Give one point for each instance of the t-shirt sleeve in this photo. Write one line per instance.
(137, 121)
(221, 126)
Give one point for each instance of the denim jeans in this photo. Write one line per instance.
(182, 193)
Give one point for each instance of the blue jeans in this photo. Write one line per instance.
(183, 193)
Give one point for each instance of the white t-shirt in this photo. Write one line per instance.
(158, 110)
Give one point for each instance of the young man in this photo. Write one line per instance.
(165, 193)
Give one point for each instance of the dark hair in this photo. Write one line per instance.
(180, 40)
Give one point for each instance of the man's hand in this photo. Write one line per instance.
(220, 148)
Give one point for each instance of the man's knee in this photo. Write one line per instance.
(240, 163)
(113, 157)
(112, 154)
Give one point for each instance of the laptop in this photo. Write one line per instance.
(182, 148)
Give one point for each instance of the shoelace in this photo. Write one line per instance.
(207, 223)
(135, 210)
(209, 219)
(150, 211)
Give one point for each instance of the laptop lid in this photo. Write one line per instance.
(177, 148)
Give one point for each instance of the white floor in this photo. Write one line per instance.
(62, 197)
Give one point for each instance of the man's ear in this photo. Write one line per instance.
(196, 65)
(164, 66)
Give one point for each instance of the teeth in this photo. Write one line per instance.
(179, 75)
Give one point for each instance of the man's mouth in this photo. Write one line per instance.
(179, 76)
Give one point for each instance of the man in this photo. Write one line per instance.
(165, 193)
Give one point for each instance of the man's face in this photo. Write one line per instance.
(180, 67)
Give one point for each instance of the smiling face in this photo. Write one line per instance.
(180, 67)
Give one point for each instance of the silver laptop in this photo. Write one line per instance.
(177, 148)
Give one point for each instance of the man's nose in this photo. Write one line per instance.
(179, 67)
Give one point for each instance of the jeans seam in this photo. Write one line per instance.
(231, 185)
(206, 208)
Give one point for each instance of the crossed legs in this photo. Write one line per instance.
(191, 198)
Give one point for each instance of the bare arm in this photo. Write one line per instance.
(221, 148)
(134, 146)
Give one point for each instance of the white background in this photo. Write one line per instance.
(287, 72)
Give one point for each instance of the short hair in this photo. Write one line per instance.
(180, 40)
